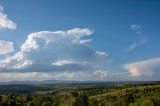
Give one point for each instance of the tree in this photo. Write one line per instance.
(44, 104)
(82, 100)
(147, 103)
(30, 103)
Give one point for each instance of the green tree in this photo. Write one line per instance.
(82, 100)
(147, 103)
(30, 103)
(44, 103)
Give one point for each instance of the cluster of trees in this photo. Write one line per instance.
(12, 100)
(46, 100)
(134, 96)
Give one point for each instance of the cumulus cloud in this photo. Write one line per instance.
(102, 74)
(37, 76)
(65, 75)
(5, 22)
(71, 36)
(143, 68)
(57, 51)
(17, 61)
(6, 47)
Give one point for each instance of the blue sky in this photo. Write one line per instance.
(99, 40)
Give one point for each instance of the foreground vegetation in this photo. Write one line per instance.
(82, 94)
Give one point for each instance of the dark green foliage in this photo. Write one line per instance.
(81, 100)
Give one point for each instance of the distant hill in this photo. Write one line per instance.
(73, 81)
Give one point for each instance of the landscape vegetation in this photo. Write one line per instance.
(128, 93)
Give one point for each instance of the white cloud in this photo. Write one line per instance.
(142, 39)
(71, 36)
(6, 47)
(79, 32)
(67, 62)
(37, 76)
(47, 51)
(61, 55)
(17, 61)
(85, 41)
(143, 68)
(132, 46)
(22, 64)
(136, 27)
(62, 75)
(102, 74)
(63, 62)
(1, 8)
(101, 53)
(5, 23)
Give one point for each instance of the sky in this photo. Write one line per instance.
(107, 40)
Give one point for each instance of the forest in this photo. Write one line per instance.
(81, 94)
